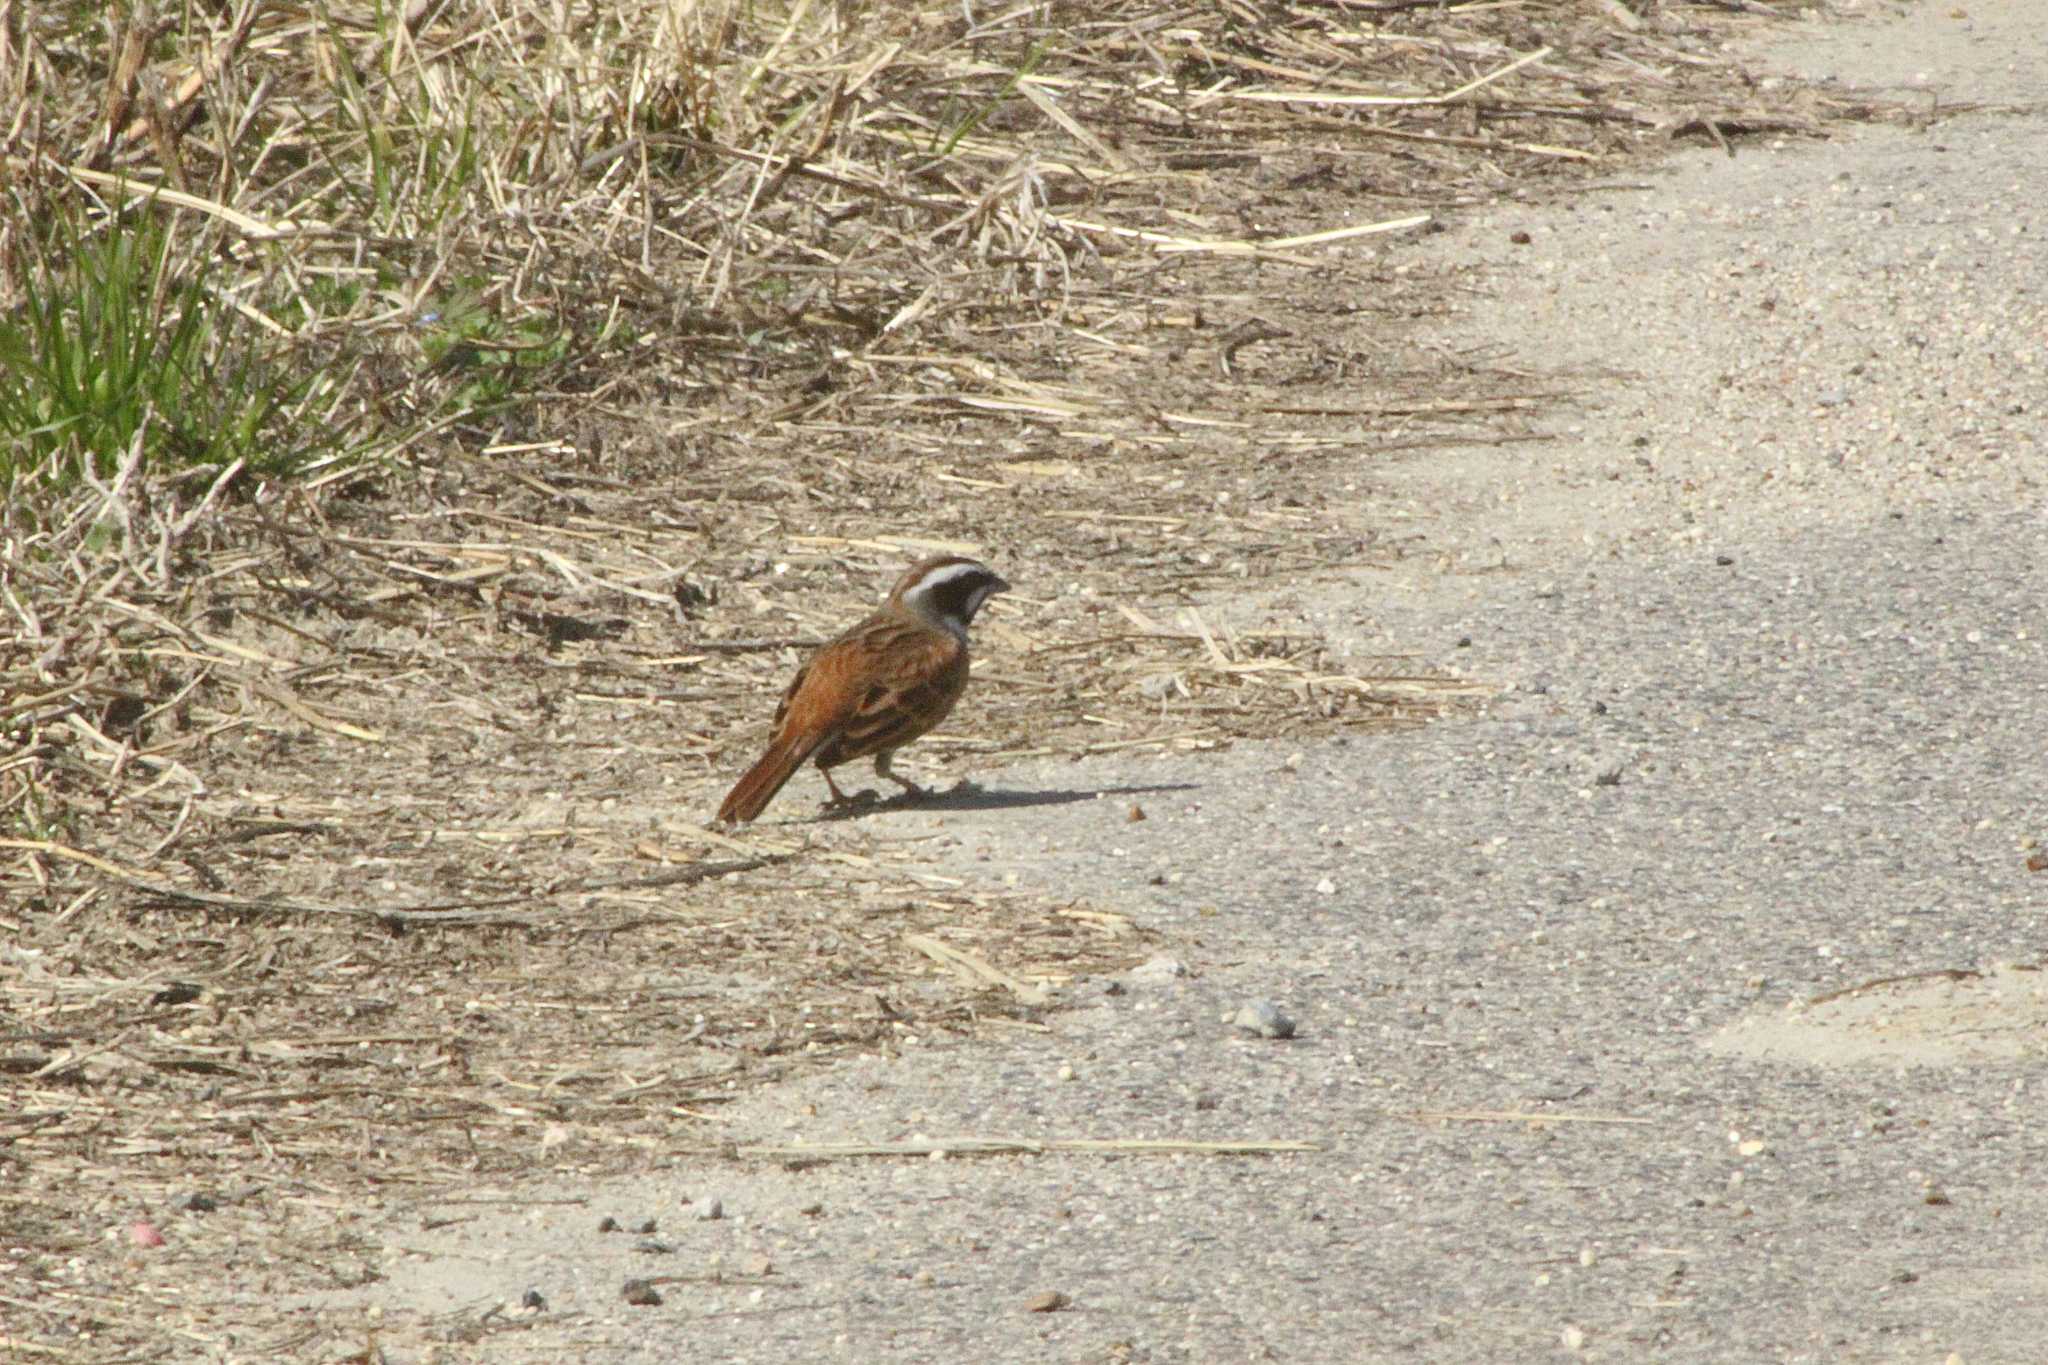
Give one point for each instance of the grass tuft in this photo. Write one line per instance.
(116, 345)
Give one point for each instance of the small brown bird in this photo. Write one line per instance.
(877, 687)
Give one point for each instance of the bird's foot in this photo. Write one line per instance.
(911, 791)
(841, 803)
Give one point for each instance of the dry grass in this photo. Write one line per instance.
(351, 819)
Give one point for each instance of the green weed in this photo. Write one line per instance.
(118, 340)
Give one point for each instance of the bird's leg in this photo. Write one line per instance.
(839, 798)
(882, 769)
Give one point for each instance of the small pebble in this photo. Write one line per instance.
(640, 1293)
(532, 1301)
(1051, 1301)
(145, 1235)
(710, 1211)
(1264, 1018)
(607, 1224)
(1160, 968)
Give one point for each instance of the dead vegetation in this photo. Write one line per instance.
(351, 813)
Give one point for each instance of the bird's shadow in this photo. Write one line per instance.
(971, 796)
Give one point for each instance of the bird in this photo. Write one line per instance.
(876, 687)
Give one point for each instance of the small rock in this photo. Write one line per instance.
(1160, 968)
(647, 1228)
(145, 1235)
(1326, 887)
(1160, 686)
(640, 1293)
(709, 1210)
(1135, 814)
(648, 1246)
(532, 1301)
(1051, 1301)
(1265, 1019)
(607, 1224)
(197, 1202)
(1572, 1338)
(690, 595)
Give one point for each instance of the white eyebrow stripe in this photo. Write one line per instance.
(931, 584)
(949, 573)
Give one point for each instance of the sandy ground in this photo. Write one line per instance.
(1587, 1031)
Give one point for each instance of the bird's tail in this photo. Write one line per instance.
(752, 793)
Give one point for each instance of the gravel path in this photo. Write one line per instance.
(1769, 622)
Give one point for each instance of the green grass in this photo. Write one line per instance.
(491, 362)
(118, 341)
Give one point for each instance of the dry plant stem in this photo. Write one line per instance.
(1015, 1146)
